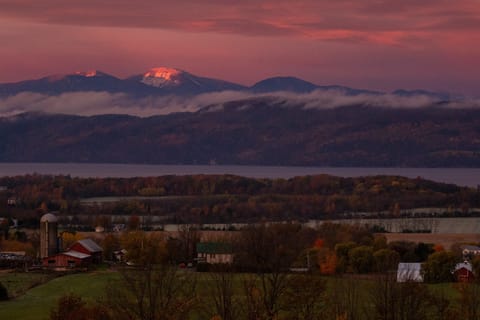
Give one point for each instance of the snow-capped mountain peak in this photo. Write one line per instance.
(161, 76)
(87, 74)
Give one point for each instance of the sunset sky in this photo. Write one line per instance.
(383, 45)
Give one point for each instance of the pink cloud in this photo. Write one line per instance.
(431, 44)
(257, 17)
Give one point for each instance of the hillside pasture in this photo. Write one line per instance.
(37, 302)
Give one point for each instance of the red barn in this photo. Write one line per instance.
(463, 272)
(81, 254)
(68, 259)
(89, 247)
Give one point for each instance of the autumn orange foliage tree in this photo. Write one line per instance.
(327, 261)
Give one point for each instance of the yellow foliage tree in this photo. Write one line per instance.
(144, 249)
(14, 245)
(68, 239)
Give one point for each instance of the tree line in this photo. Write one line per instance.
(228, 199)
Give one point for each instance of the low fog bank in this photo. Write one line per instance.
(97, 103)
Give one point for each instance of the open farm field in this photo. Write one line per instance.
(37, 302)
(444, 239)
(17, 283)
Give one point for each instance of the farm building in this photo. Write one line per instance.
(464, 272)
(214, 252)
(81, 254)
(90, 247)
(470, 251)
(409, 272)
(68, 259)
(48, 235)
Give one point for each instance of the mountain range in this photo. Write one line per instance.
(171, 81)
(277, 121)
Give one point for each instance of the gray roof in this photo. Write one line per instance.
(76, 254)
(471, 248)
(49, 218)
(90, 245)
(465, 265)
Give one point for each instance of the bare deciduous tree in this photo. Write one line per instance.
(392, 300)
(153, 289)
(152, 293)
(469, 300)
(220, 301)
(305, 297)
(344, 299)
(269, 252)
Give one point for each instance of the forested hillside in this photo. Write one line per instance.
(253, 132)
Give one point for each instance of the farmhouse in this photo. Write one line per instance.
(214, 252)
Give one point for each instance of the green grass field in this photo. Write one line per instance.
(37, 302)
(17, 283)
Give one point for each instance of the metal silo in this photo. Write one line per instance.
(48, 235)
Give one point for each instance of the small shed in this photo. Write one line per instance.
(89, 247)
(214, 252)
(464, 272)
(409, 271)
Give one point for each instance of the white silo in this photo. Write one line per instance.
(48, 235)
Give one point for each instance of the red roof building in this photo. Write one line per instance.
(463, 272)
(68, 259)
(90, 247)
(81, 254)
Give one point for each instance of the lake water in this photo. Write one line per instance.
(460, 176)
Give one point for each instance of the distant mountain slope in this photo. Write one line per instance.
(172, 81)
(296, 85)
(255, 131)
(157, 81)
(411, 93)
(81, 81)
(176, 81)
(290, 84)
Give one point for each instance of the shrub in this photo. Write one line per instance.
(3, 292)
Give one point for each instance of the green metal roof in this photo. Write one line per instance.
(214, 247)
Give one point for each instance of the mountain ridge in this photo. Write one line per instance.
(266, 133)
(180, 83)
